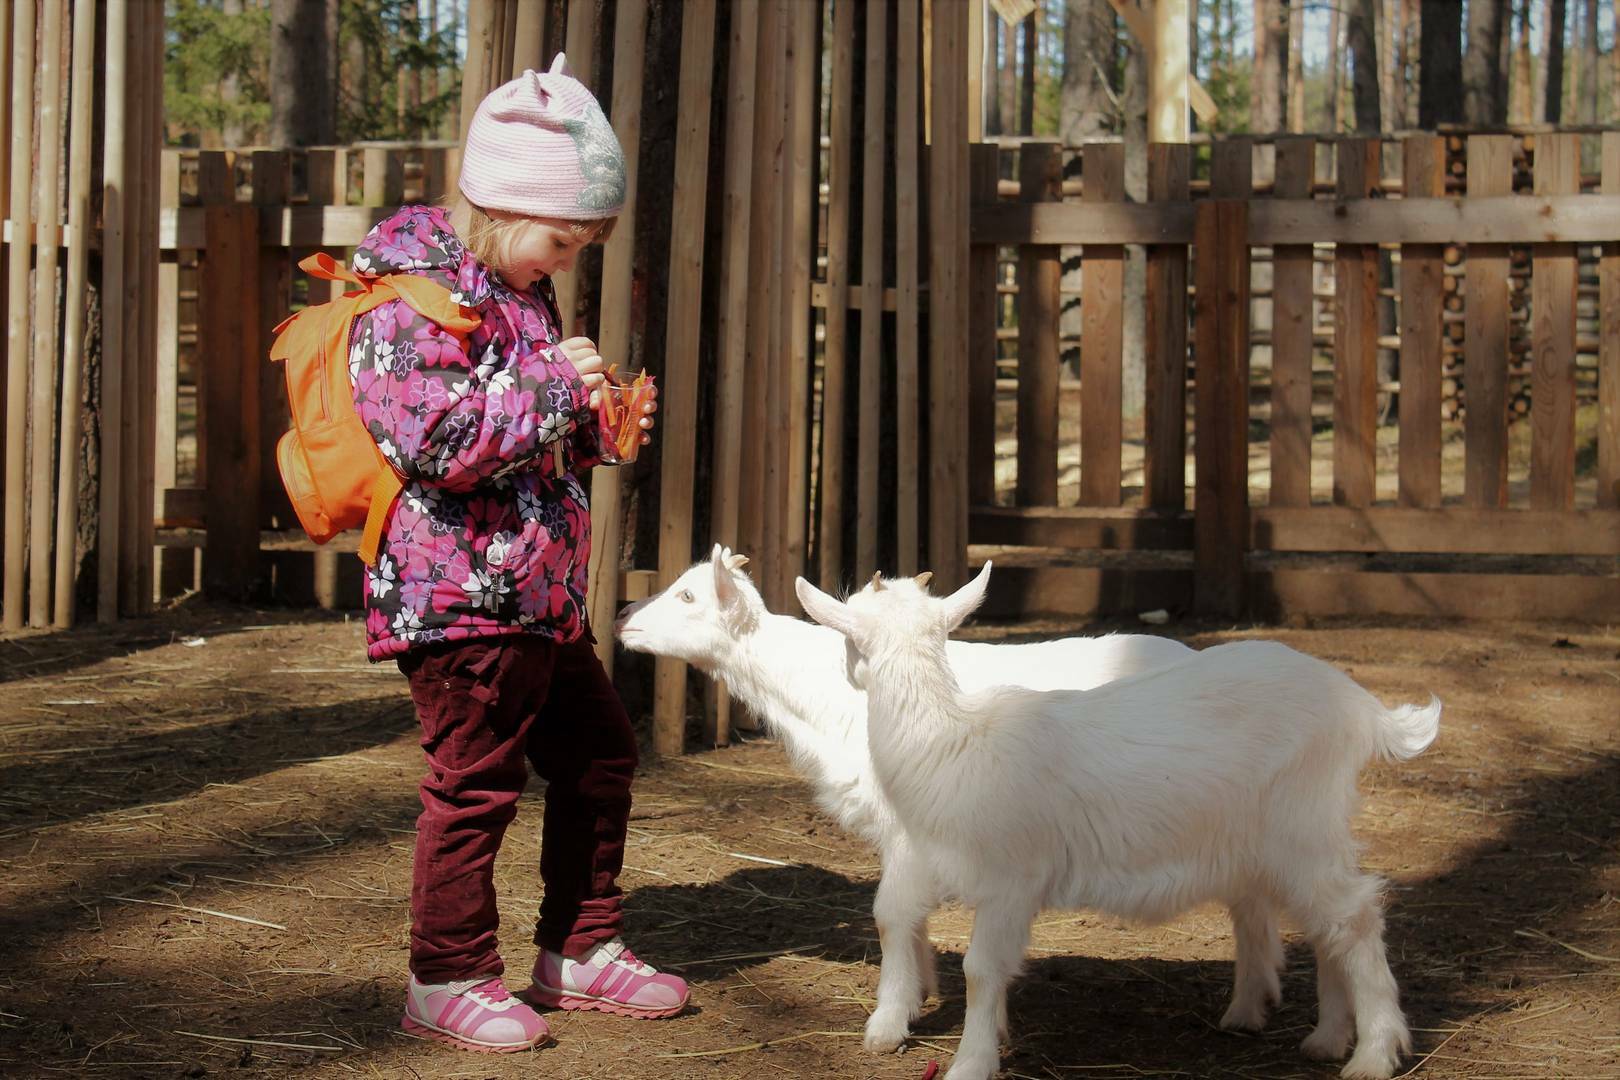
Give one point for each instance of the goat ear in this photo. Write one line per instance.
(961, 603)
(823, 608)
(718, 554)
(725, 586)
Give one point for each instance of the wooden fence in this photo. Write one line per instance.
(1422, 515)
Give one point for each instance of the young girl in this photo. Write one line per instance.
(478, 592)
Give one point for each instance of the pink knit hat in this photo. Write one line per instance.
(540, 146)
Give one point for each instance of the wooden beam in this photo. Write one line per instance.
(1509, 219)
(869, 445)
(1102, 335)
(1040, 270)
(1485, 358)
(1165, 407)
(1278, 593)
(679, 393)
(840, 156)
(1422, 329)
(1292, 347)
(1168, 73)
(1452, 529)
(17, 337)
(908, 274)
(1608, 468)
(1221, 329)
(1082, 528)
(1355, 338)
(1553, 307)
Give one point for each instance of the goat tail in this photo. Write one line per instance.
(1406, 731)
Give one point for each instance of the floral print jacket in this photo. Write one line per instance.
(493, 437)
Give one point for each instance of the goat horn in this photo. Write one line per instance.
(924, 578)
(877, 581)
(736, 562)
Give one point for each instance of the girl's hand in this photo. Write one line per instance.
(581, 352)
(647, 418)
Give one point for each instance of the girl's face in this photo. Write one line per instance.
(548, 246)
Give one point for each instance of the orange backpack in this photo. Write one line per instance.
(330, 465)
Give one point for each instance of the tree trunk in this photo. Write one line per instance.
(1410, 35)
(1032, 53)
(1551, 68)
(1383, 27)
(1440, 64)
(300, 74)
(1268, 103)
(230, 133)
(1482, 65)
(1335, 66)
(1395, 55)
(1521, 91)
(1085, 107)
(1363, 50)
(1586, 109)
(1294, 93)
(1002, 103)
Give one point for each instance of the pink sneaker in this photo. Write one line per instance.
(473, 1014)
(608, 979)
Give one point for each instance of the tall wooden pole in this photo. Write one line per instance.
(22, 143)
(114, 193)
(1167, 81)
(79, 224)
(43, 445)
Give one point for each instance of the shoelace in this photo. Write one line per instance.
(490, 993)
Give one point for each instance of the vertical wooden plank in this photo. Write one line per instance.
(977, 17)
(79, 221)
(151, 143)
(869, 453)
(801, 159)
(1292, 345)
(17, 337)
(947, 309)
(270, 188)
(1165, 408)
(1422, 330)
(1552, 306)
(1101, 336)
(1608, 463)
(1040, 268)
(529, 37)
(735, 282)
(778, 583)
(731, 378)
(679, 393)
(1485, 344)
(840, 153)
(42, 384)
(228, 316)
(618, 258)
(984, 171)
(1355, 338)
(1221, 334)
(168, 339)
(908, 271)
(577, 46)
(760, 504)
(384, 176)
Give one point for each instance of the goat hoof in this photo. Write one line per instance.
(973, 1068)
(1326, 1044)
(1247, 1016)
(1371, 1062)
(886, 1031)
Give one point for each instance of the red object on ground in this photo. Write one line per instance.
(932, 1070)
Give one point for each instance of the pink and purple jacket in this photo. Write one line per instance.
(493, 437)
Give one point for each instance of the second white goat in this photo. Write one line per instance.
(1228, 777)
(794, 675)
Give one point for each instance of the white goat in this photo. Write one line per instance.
(1229, 777)
(795, 675)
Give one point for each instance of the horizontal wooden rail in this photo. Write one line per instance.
(1111, 528)
(1453, 529)
(1511, 219)
(183, 228)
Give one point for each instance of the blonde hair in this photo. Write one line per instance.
(490, 239)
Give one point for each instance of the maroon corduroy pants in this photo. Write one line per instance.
(489, 709)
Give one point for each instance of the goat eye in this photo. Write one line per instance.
(686, 595)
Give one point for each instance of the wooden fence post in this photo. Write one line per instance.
(1040, 272)
(1165, 408)
(1293, 344)
(908, 269)
(1102, 339)
(1552, 309)
(17, 365)
(947, 309)
(1221, 328)
(1422, 331)
(681, 347)
(840, 152)
(869, 453)
(984, 163)
(1608, 470)
(228, 310)
(1485, 344)
(1355, 338)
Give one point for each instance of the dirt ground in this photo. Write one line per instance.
(205, 838)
